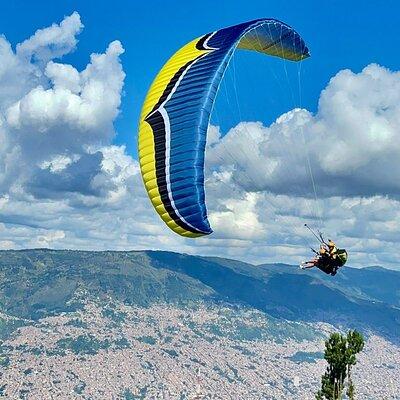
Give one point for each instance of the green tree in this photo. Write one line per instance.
(340, 354)
(355, 344)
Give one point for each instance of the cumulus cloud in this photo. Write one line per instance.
(52, 42)
(64, 184)
(348, 151)
(53, 127)
(351, 143)
(60, 175)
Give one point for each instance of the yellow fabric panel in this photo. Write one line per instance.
(248, 42)
(146, 139)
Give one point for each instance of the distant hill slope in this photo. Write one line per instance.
(35, 283)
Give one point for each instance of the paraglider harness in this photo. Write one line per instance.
(329, 265)
(326, 263)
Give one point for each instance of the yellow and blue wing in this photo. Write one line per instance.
(176, 113)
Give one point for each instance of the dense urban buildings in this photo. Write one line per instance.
(109, 350)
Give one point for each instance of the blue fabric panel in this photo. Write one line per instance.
(190, 106)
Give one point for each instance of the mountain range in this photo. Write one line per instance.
(41, 282)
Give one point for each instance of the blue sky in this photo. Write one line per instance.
(341, 34)
(74, 76)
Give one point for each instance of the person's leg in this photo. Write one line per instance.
(334, 271)
(307, 265)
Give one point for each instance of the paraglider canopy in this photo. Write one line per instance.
(176, 113)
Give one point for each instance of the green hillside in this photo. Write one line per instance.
(37, 283)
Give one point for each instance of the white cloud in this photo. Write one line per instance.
(57, 119)
(351, 142)
(52, 42)
(351, 146)
(50, 237)
(238, 215)
(64, 76)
